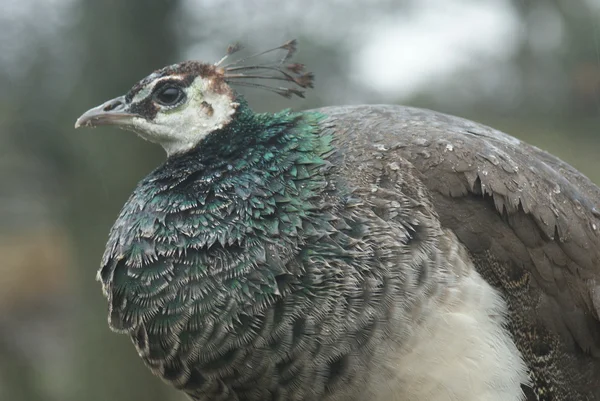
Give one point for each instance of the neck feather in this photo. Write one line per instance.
(231, 212)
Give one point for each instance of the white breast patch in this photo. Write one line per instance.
(460, 352)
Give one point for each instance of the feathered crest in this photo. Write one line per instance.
(279, 70)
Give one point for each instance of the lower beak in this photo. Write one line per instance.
(113, 112)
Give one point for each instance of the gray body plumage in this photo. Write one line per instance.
(266, 290)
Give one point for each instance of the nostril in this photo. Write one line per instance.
(112, 105)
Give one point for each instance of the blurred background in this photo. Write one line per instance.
(528, 67)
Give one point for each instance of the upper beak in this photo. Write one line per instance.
(113, 112)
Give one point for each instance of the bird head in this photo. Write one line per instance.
(179, 105)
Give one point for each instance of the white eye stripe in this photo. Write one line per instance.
(146, 91)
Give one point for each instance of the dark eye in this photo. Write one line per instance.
(169, 95)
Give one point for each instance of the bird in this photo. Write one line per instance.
(345, 253)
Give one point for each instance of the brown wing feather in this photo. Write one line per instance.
(530, 221)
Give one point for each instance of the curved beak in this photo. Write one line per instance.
(113, 112)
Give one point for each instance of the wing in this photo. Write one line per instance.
(530, 221)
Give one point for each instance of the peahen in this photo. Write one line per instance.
(369, 252)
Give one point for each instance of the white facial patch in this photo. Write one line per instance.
(147, 90)
(182, 127)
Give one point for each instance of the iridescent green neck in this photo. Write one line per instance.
(252, 131)
(230, 216)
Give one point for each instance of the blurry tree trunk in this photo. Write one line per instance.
(122, 41)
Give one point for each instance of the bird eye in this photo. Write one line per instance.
(169, 95)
